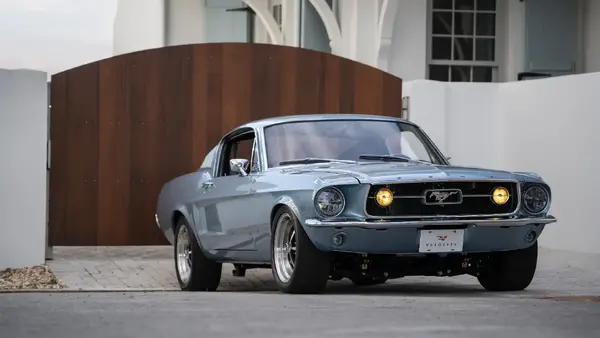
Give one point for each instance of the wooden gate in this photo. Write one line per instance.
(123, 126)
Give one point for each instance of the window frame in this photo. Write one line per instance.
(498, 44)
(277, 13)
(213, 154)
(432, 149)
(222, 160)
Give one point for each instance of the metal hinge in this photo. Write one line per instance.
(405, 108)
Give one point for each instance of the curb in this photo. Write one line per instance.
(71, 290)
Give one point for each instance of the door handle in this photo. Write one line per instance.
(207, 185)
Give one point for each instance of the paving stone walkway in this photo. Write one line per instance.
(137, 267)
(152, 268)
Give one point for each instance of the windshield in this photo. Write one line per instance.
(346, 140)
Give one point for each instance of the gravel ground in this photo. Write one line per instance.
(36, 277)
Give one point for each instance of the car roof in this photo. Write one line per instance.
(262, 123)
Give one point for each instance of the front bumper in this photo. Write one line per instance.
(402, 237)
(419, 224)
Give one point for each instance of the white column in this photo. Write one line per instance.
(291, 22)
(185, 22)
(359, 23)
(511, 39)
(23, 182)
(387, 15)
(408, 49)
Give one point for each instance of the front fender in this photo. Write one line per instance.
(288, 202)
(168, 227)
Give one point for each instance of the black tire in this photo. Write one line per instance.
(368, 281)
(205, 274)
(311, 266)
(510, 270)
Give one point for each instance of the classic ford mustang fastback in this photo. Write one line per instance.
(368, 198)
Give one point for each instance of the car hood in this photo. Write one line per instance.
(376, 172)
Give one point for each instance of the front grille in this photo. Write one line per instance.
(463, 198)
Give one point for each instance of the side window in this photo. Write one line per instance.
(242, 147)
(209, 159)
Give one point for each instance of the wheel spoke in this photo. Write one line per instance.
(189, 257)
(184, 255)
(284, 246)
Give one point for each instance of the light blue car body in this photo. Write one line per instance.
(232, 215)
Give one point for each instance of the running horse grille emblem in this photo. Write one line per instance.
(442, 196)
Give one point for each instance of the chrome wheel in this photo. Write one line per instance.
(184, 254)
(284, 247)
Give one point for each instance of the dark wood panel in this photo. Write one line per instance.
(123, 126)
(332, 91)
(391, 95)
(82, 155)
(114, 162)
(58, 161)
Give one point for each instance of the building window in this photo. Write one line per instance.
(462, 44)
(278, 14)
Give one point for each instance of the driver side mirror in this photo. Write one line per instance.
(239, 165)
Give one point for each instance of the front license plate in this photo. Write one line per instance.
(441, 240)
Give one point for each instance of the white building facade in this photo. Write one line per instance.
(444, 40)
(519, 126)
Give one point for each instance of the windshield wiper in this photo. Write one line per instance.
(390, 158)
(312, 160)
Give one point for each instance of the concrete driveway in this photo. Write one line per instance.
(405, 310)
(562, 302)
(151, 268)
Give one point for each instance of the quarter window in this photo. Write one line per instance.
(462, 44)
(209, 159)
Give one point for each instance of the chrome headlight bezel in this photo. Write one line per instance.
(335, 192)
(524, 199)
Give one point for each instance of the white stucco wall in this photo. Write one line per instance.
(185, 22)
(147, 24)
(553, 126)
(139, 25)
(144, 24)
(547, 126)
(221, 25)
(23, 144)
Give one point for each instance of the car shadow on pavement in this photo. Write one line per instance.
(408, 288)
(400, 287)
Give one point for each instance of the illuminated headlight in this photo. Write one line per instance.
(384, 197)
(500, 195)
(330, 202)
(536, 199)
